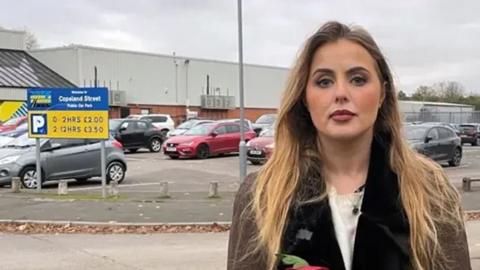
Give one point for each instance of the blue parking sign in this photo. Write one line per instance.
(38, 122)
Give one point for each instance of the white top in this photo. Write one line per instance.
(344, 221)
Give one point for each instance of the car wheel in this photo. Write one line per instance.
(155, 145)
(255, 162)
(164, 132)
(202, 151)
(28, 177)
(115, 171)
(133, 150)
(457, 158)
(82, 180)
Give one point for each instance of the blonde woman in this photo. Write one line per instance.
(343, 190)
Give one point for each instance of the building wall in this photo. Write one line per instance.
(12, 39)
(165, 80)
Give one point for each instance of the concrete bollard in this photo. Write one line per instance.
(164, 190)
(213, 190)
(16, 184)
(62, 187)
(466, 184)
(113, 191)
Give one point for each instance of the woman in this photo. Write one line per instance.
(343, 189)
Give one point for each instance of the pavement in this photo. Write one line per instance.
(180, 251)
(135, 207)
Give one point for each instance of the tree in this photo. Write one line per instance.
(31, 41)
(402, 96)
(450, 91)
(425, 93)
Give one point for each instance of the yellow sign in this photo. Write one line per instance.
(69, 124)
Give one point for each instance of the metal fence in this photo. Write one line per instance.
(447, 117)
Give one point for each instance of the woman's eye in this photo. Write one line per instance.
(359, 81)
(324, 83)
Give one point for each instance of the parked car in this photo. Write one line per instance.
(60, 159)
(437, 142)
(183, 127)
(265, 121)
(8, 136)
(163, 122)
(248, 124)
(260, 149)
(206, 140)
(134, 134)
(470, 133)
(13, 123)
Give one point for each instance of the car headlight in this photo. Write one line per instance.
(8, 160)
(249, 143)
(270, 146)
(187, 144)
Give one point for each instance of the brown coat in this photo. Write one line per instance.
(382, 232)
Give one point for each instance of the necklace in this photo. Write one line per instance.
(356, 205)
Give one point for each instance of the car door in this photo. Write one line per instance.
(218, 143)
(431, 147)
(142, 136)
(447, 143)
(92, 153)
(233, 137)
(129, 134)
(68, 159)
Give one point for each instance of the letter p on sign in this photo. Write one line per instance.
(39, 124)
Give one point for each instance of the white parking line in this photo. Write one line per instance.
(120, 186)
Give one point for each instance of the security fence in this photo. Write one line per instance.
(447, 117)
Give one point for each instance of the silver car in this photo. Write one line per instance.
(77, 159)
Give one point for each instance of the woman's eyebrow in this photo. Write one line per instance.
(357, 69)
(323, 71)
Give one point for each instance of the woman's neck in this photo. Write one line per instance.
(345, 163)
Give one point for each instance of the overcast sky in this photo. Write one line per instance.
(425, 41)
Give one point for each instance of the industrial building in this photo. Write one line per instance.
(143, 83)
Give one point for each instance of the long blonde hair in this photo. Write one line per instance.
(427, 197)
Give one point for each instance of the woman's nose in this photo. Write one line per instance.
(341, 92)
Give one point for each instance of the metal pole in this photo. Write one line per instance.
(176, 77)
(242, 145)
(102, 157)
(39, 167)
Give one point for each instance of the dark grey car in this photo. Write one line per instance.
(437, 142)
(60, 159)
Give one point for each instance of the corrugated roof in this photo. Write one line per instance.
(18, 69)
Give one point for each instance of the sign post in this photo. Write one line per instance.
(73, 113)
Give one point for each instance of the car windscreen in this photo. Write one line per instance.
(466, 127)
(266, 119)
(114, 124)
(186, 125)
(199, 130)
(415, 132)
(268, 133)
(23, 141)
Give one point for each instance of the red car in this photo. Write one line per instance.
(206, 140)
(13, 123)
(261, 148)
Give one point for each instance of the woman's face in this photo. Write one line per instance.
(344, 92)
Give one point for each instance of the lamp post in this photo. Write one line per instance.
(242, 145)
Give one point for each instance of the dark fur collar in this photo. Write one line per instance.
(382, 238)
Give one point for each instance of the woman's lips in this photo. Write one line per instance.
(342, 115)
